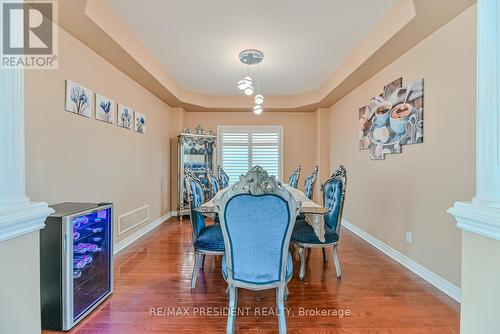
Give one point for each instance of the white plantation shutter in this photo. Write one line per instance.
(242, 147)
(266, 152)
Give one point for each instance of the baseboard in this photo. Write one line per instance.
(119, 246)
(434, 279)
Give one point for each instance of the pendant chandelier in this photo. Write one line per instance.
(250, 59)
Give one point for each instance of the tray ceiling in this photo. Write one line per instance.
(197, 42)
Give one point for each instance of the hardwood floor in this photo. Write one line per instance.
(155, 273)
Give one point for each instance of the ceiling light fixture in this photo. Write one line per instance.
(250, 58)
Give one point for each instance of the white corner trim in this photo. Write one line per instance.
(119, 246)
(477, 219)
(22, 219)
(434, 279)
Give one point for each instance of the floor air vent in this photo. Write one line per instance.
(131, 219)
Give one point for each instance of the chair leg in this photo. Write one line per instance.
(202, 265)
(196, 269)
(302, 263)
(233, 302)
(325, 256)
(337, 263)
(280, 306)
(295, 252)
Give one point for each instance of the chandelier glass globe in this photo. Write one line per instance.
(257, 109)
(244, 83)
(259, 99)
(249, 90)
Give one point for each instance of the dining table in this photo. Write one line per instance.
(312, 211)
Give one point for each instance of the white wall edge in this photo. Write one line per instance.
(477, 219)
(119, 246)
(23, 219)
(448, 288)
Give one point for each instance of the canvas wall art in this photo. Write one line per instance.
(124, 116)
(392, 119)
(105, 109)
(78, 99)
(139, 122)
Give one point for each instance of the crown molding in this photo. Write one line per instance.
(410, 21)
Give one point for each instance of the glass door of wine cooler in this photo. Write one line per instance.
(91, 261)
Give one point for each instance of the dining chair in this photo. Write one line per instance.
(333, 199)
(257, 218)
(310, 183)
(201, 174)
(207, 239)
(223, 178)
(293, 180)
(213, 183)
(309, 188)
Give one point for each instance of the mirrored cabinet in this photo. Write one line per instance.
(197, 154)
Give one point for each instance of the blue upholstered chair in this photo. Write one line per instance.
(303, 234)
(207, 239)
(293, 180)
(223, 178)
(257, 218)
(213, 183)
(310, 183)
(309, 188)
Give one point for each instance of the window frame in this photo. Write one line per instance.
(252, 129)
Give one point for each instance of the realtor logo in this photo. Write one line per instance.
(29, 34)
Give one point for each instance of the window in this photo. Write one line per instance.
(242, 147)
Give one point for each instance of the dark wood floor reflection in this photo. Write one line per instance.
(155, 273)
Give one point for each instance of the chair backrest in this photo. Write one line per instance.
(293, 180)
(223, 178)
(196, 198)
(333, 198)
(213, 182)
(310, 183)
(257, 217)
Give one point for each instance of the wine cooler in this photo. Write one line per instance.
(76, 262)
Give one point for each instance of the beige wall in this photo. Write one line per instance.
(19, 290)
(73, 158)
(411, 191)
(299, 133)
(322, 147)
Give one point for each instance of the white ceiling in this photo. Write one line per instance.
(198, 41)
